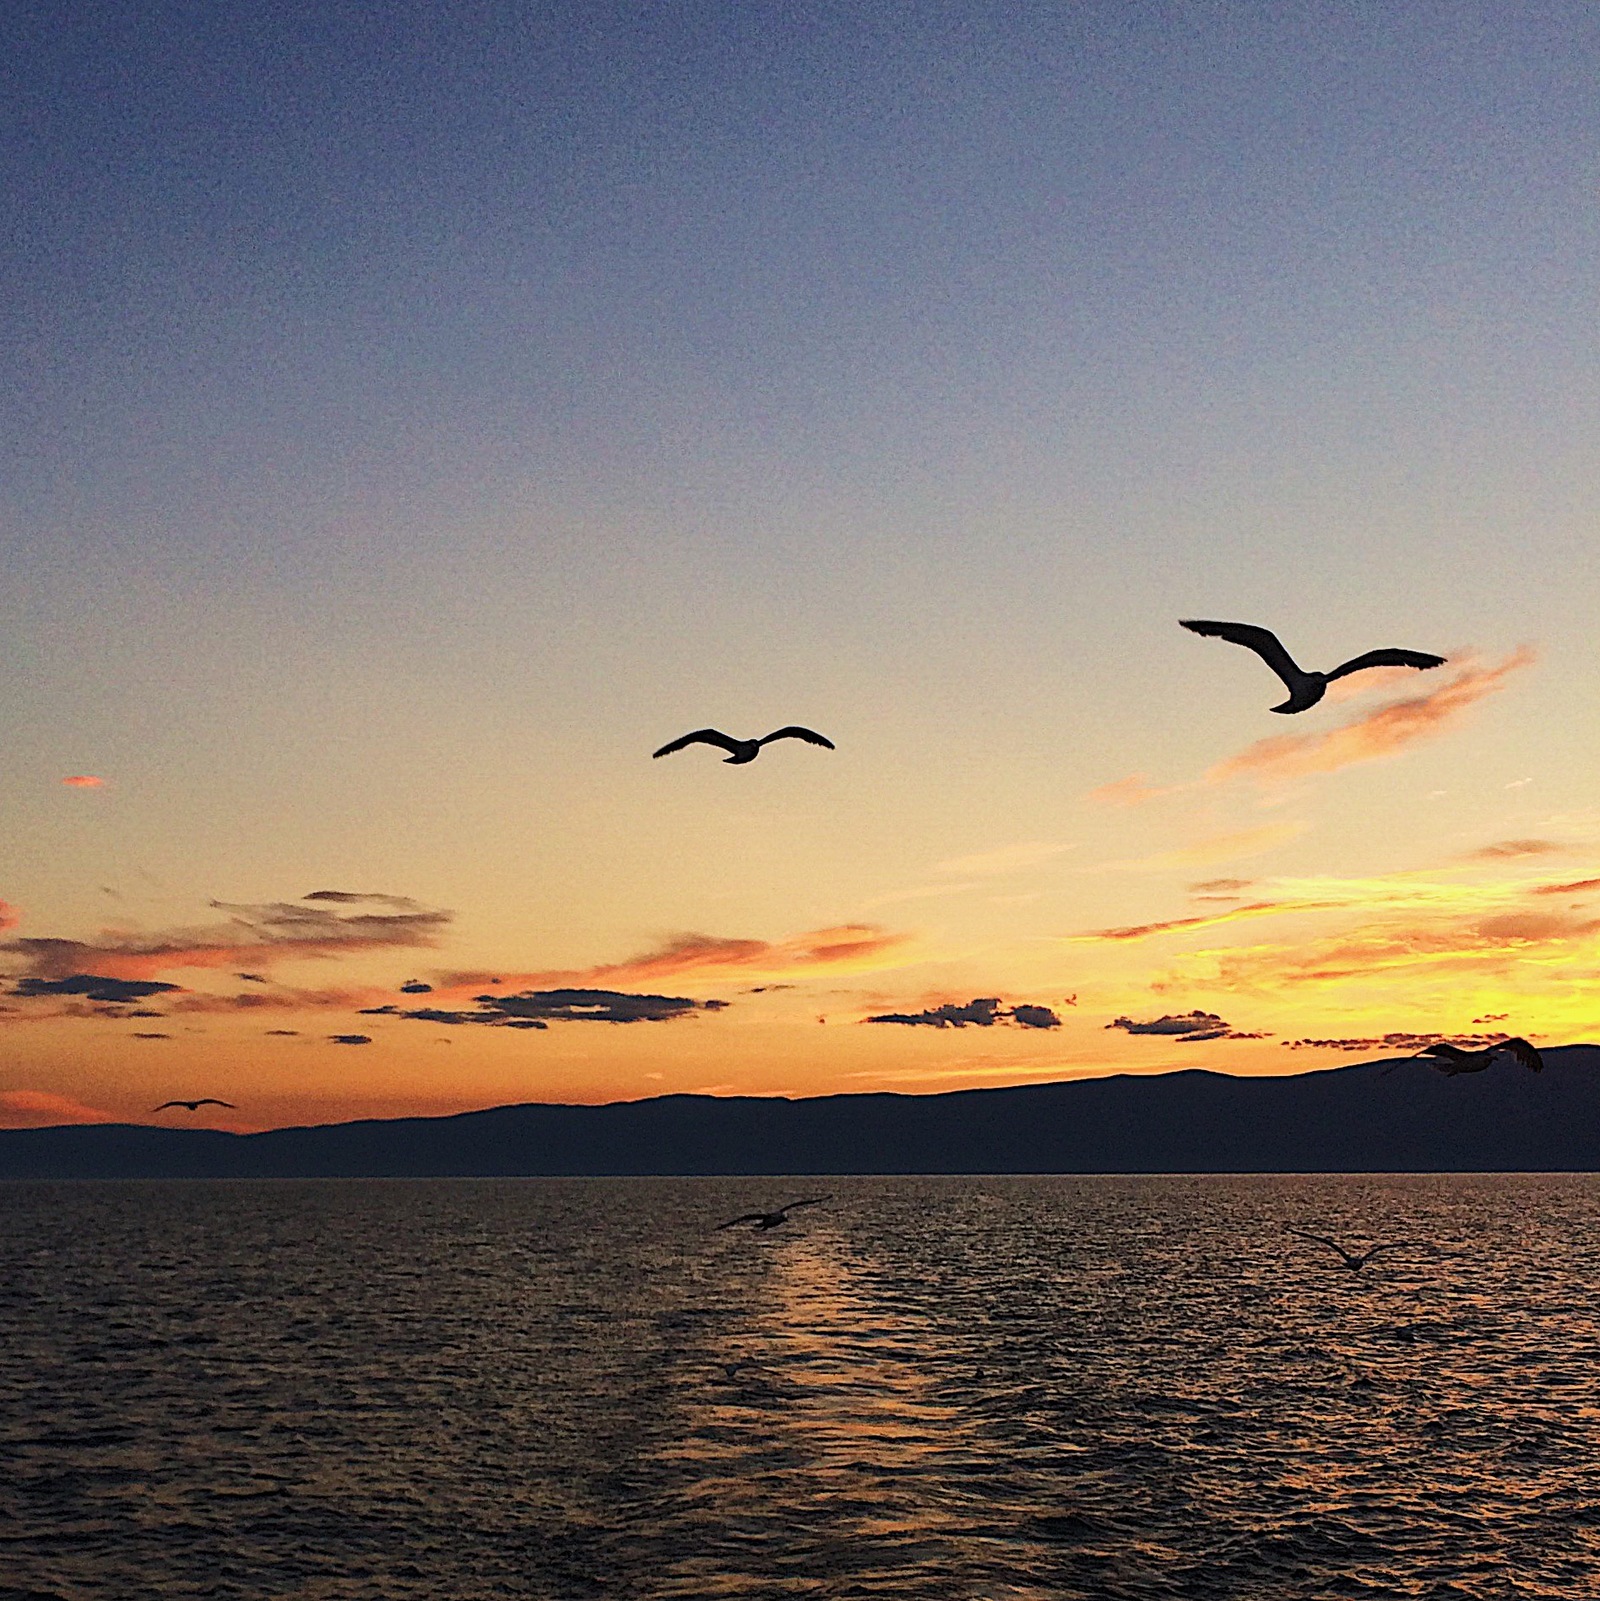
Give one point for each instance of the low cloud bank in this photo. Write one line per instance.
(1188, 1027)
(983, 1012)
(539, 1008)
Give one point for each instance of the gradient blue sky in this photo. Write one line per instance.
(417, 414)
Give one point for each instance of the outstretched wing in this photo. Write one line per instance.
(1385, 658)
(701, 736)
(165, 1104)
(809, 1201)
(1321, 1239)
(743, 1217)
(809, 735)
(1453, 1059)
(210, 1101)
(1388, 1245)
(1524, 1053)
(1262, 641)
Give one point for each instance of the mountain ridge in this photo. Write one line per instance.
(1387, 1115)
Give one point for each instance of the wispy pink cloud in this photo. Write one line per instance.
(9, 915)
(254, 935)
(1384, 731)
(1580, 886)
(83, 781)
(847, 947)
(1173, 925)
(41, 1108)
(1511, 850)
(1134, 790)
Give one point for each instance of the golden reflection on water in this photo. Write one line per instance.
(830, 1389)
(931, 1389)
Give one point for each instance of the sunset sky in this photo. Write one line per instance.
(416, 414)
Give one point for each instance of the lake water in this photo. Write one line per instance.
(953, 1389)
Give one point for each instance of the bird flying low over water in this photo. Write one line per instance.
(1453, 1059)
(1354, 1260)
(1305, 688)
(742, 750)
(193, 1106)
(772, 1220)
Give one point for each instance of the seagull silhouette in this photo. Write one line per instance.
(193, 1106)
(742, 750)
(772, 1220)
(1305, 689)
(1354, 1260)
(1454, 1059)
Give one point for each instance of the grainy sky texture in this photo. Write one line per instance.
(416, 414)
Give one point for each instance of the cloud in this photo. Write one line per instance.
(281, 998)
(284, 1033)
(984, 1012)
(349, 1039)
(1394, 1042)
(83, 781)
(1430, 941)
(139, 1036)
(92, 987)
(1515, 849)
(1220, 886)
(1134, 790)
(1004, 859)
(36, 1108)
(1186, 1023)
(1581, 886)
(9, 916)
(1384, 731)
(1035, 1017)
(252, 978)
(1190, 1027)
(349, 897)
(1204, 920)
(415, 986)
(539, 1008)
(848, 947)
(257, 934)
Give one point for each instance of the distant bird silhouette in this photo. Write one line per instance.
(772, 1220)
(193, 1106)
(1305, 689)
(1454, 1059)
(742, 750)
(1354, 1260)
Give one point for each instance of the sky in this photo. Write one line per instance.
(416, 415)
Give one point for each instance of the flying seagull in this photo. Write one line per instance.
(1453, 1059)
(741, 750)
(1305, 689)
(193, 1106)
(772, 1220)
(1354, 1260)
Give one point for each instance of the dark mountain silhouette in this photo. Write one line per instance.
(1343, 1119)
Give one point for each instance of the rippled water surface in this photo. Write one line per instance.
(940, 1388)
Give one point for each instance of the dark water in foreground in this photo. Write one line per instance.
(958, 1389)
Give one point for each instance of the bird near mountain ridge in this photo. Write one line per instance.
(1305, 688)
(193, 1106)
(743, 750)
(1453, 1059)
